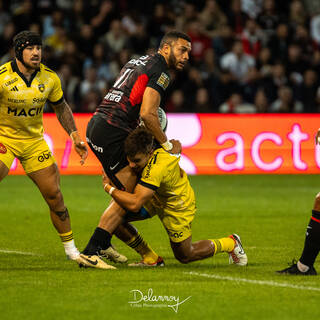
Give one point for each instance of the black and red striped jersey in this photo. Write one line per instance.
(121, 106)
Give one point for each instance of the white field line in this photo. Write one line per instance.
(259, 282)
(19, 252)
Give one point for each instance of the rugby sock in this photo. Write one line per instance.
(69, 245)
(140, 246)
(312, 242)
(223, 245)
(100, 240)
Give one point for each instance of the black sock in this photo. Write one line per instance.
(312, 242)
(99, 240)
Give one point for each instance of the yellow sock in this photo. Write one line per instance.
(139, 245)
(66, 237)
(223, 245)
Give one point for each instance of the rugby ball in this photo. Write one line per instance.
(163, 119)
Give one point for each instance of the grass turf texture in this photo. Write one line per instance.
(270, 213)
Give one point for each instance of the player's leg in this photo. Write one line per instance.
(311, 245)
(4, 170)
(48, 181)
(112, 216)
(127, 233)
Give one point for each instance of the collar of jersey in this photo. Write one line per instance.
(162, 59)
(16, 69)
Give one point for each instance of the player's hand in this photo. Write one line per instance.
(176, 146)
(318, 137)
(79, 146)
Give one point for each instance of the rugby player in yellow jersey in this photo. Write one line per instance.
(25, 86)
(164, 190)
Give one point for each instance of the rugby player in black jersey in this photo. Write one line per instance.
(137, 93)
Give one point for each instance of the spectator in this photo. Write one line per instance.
(92, 83)
(212, 19)
(236, 17)
(261, 101)
(115, 38)
(202, 103)
(309, 92)
(70, 86)
(176, 102)
(235, 104)
(200, 42)
(279, 43)
(251, 38)
(285, 102)
(237, 62)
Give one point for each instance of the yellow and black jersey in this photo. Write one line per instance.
(22, 101)
(172, 187)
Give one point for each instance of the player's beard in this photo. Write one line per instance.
(172, 61)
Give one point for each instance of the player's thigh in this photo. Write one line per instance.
(36, 155)
(47, 180)
(183, 249)
(6, 157)
(177, 224)
(4, 170)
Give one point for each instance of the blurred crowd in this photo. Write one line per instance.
(248, 56)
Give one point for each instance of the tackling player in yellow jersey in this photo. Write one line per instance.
(25, 86)
(164, 190)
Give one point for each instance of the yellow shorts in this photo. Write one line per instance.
(176, 223)
(34, 154)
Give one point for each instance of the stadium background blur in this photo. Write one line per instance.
(248, 56)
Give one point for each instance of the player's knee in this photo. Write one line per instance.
(182, 258)
(317, 200)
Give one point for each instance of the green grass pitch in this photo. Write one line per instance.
(270, 213)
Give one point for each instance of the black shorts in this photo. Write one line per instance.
(107, 143)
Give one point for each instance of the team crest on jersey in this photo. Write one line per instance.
(41, 87)
(3, 148)
(163, 80)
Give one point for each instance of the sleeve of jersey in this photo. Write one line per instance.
(158, 80)
(152, 175)
(56, 94)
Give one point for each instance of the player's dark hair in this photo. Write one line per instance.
(171, 36)
(139, 140)
(24, 39)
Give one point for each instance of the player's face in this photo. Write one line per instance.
(139, 161)
(32, 56)
(179, 54)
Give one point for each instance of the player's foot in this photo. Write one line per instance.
(92, 261)
(158, 263)
(237, 255)
(293, 269)
(73, 255)
(113, 255)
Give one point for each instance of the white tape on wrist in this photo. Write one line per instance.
(167, 145)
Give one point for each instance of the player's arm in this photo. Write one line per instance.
(65, 117)
(149, 114)
(130, 201)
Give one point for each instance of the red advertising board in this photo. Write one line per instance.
(214, 144)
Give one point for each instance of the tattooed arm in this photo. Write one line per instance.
(65, 117)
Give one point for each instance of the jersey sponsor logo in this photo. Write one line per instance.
(14, 89)
(41, 87)
(25, 113)
(44, 156)
(39, 100)
(95, 147)
(163, 80)
(17, 100)
(11, 82)
(3, 148)
(139, 62)
(114, 96)
(175, 235)
(148, 169)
